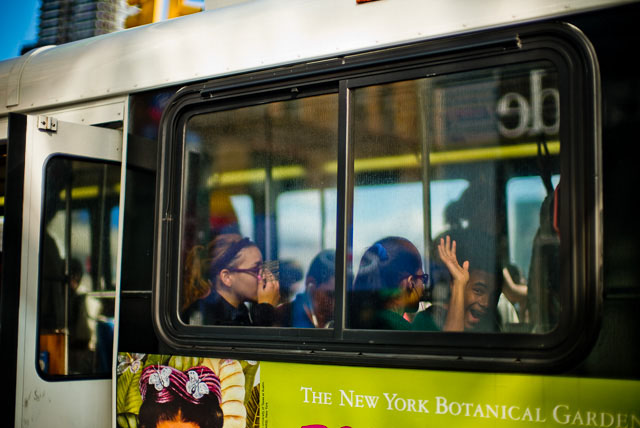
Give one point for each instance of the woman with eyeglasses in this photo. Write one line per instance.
(389, 284)
(221, 277)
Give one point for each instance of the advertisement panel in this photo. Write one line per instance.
(273, 395)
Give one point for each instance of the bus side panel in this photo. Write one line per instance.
(615, 352)
(10, 259)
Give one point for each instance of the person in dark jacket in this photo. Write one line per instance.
(227, 284)
(313, 307)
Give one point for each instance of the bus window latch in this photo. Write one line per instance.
(46, 123)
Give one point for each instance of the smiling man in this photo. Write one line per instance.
(473, 284)
(479, 295)
(471, 262)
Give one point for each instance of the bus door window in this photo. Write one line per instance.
(276, 160)
(78, 259)
(432, 159)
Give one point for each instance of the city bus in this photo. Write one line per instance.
(330, 213)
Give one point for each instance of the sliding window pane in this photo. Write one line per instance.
(433, 159)
(257, 184)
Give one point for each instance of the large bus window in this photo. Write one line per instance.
(433, 159)
(263, 160)
(78, 262)
(391, 204)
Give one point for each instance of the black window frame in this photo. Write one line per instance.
(581, 231)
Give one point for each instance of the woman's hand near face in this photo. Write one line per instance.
(460, 277)
(268, 288)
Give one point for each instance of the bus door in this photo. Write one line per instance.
(67, 273)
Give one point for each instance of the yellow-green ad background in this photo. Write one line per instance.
(296, 395)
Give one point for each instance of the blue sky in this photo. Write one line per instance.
(18, 26)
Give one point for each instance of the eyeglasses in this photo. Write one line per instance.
(270, 267)
(424, 277)
(254, 271)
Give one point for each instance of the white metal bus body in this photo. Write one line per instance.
(316, 125)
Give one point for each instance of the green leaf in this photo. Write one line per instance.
(127, 420)
(250, 371)
(252, 404)
(184, 363)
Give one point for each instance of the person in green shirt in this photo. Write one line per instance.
(390, 283)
